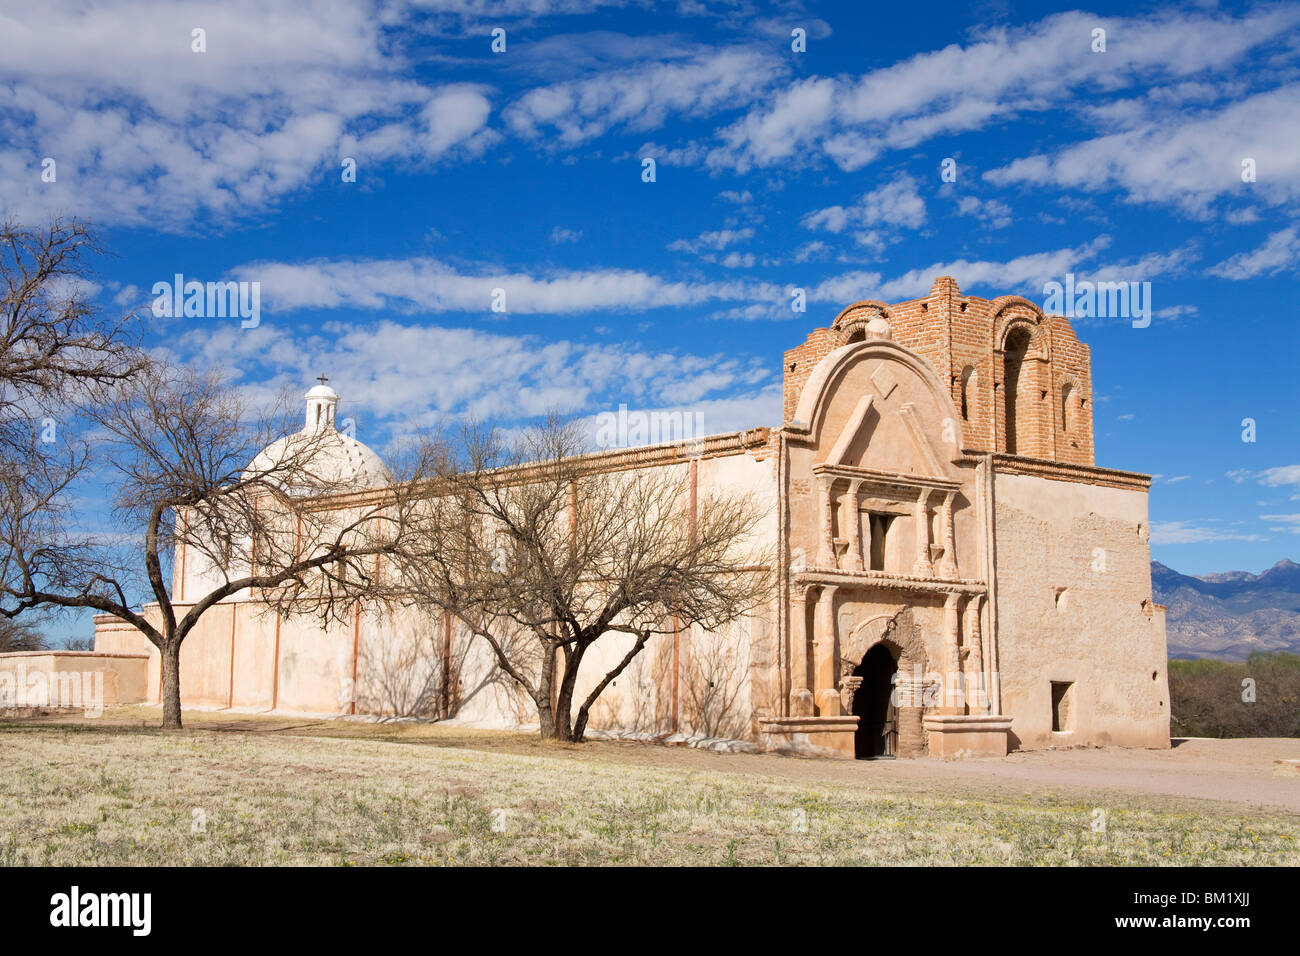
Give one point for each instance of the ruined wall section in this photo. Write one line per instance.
(1078, 635)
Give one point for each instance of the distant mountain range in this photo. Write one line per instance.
(1228, 615)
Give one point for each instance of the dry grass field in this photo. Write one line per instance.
(252, 791)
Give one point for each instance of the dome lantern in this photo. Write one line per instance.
(322, 403)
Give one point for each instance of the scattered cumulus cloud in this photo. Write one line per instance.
(1280, 251)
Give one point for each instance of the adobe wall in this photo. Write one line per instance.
(1074, 606)
(229, 659)
(242, 655)
(123, 676)
(672, 675)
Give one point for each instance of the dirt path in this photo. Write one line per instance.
(1238, 773)
(1235, 773)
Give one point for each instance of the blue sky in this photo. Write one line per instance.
(775, 169)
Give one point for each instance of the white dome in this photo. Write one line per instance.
(331, 457)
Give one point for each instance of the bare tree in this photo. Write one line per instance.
(185, 458)
(20, 636)
(54, 346)
(53, 342)
(541, 549)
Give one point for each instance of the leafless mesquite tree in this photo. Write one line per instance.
(53, 341)
(181, 451)
(20, 636)
(535, 541)
(54, 346)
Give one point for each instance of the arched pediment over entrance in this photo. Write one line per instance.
(877, 405)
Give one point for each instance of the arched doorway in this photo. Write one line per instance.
(873, 703)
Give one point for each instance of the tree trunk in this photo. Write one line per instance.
(564, 701)
(545, 682)
(171, 685)
(580, 725)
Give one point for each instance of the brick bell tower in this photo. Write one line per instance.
(1020, 379)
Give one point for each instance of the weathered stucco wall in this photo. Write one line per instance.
(242, 656)
(70, 679)
(1074, 606)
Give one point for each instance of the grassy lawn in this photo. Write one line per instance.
(101, 794)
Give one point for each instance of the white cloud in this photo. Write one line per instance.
(1144, 269)
(560, 235)
(1027, 272)
(642, 97)
(737, 260)
(897, 203)
(1287, 524)
(146, 131)
(992, 212)
(1000, 73)
(812, 250)
(716, 240)
(709, 416)
(1165, 160)
(430, 285)
(129, 295)
(1280, 251)
(1283, 475)
(408, 375)
(1187, 532)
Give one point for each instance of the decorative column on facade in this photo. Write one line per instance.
(948, 563)
(801, 698)
(924, 568)
(953, 701)
(855, 529)
(867, 543)
(825, 513)
(977, 696)
(828, 694)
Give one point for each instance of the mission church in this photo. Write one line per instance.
(955, 576)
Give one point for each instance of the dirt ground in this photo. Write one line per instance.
(1237, 774)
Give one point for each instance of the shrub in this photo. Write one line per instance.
(1212, 698)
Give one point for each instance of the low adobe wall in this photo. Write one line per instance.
(62, 679)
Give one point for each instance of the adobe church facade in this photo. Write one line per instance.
(954, 577)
